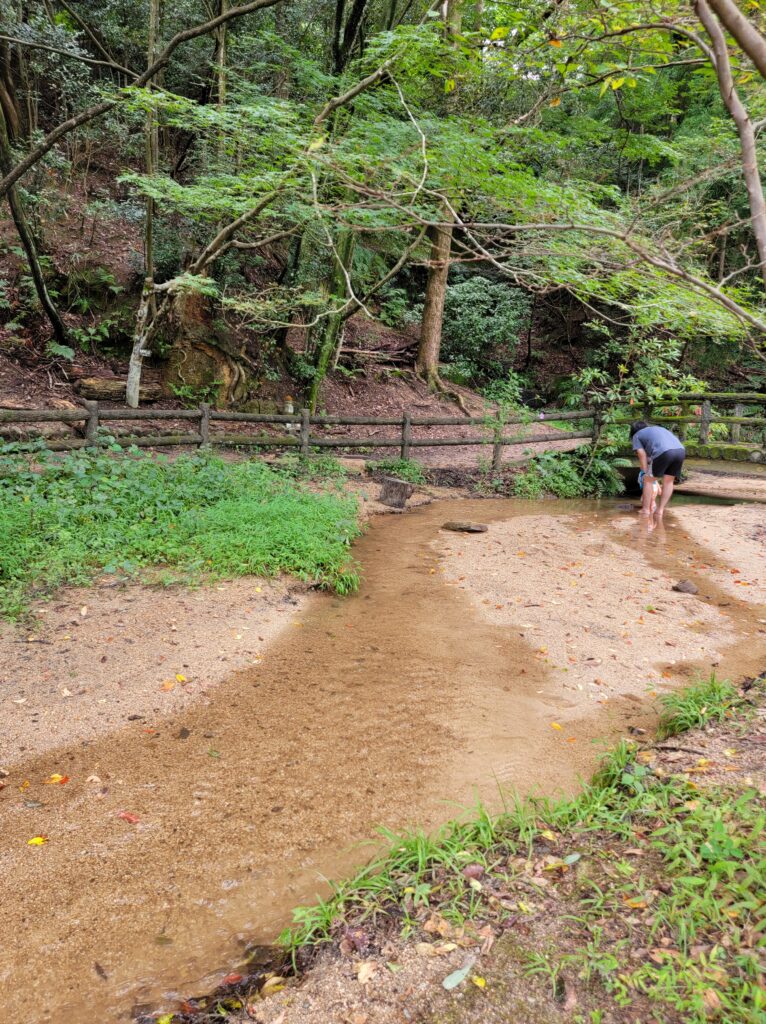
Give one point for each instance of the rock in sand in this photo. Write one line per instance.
(465, 527)
(686, 587)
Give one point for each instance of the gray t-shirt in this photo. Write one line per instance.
(655, 441)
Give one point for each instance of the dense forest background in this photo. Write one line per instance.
(532, 198)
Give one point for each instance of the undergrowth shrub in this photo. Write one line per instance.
(65, 519)
(568, 475)
(404, 469)
(482, 323)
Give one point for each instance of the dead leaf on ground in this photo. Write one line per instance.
(56, 780)
(365, 971)
(132, 819)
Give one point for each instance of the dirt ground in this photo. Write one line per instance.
(596, 602)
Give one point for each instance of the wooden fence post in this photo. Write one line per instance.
(685, 408)
(596, 427)
(305, 425)
(497, 450)
(404, 454)
(736, 428)
(91, 426)
(707, 415)
(204, 424)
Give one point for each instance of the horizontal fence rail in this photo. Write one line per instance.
(295, 427)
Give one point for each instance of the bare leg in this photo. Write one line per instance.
(667, 492)
(646, 498)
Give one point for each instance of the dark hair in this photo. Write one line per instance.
(638, 425)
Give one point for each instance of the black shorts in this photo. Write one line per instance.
(669, 463)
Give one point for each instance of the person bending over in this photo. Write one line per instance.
(661, 456)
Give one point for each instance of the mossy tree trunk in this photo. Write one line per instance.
(327, 333)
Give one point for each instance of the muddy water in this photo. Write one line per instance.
(392, 707)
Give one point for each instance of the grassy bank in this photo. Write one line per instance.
(640, 901)
(65, 519)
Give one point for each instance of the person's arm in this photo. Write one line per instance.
(642, 459)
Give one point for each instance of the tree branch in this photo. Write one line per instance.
(98, 109)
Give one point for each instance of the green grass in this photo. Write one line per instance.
(642, 861)
(404, 469)
(63, 520)
(709, 700)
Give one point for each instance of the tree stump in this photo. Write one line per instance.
(395, 492)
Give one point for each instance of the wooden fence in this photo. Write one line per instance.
(297, 427)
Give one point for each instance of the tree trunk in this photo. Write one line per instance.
(28, 241)
(220, 60)
(147, 308)
(329, 329)
(427, 362)
(743, 30)
(745, 130)
(8, 103)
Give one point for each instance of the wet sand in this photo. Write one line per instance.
(392, 707)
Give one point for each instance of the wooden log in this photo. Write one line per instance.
(357, 442)
(148, 414)
(395, 492)
(251, 417)
(256, 440)
(113, 389)
(160, 441)
(43, 415)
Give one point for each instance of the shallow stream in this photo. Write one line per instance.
(396, 706)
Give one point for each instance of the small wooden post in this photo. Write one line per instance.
(596, 427)
(707, 415)
(735, 429)
(497, 450)
(685, 407)
(204, 424)
(406, 435)
(305, 425)
(91, 426)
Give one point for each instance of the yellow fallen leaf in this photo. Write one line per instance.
(259, 590)
(272, 985)
(478, 981)
(365, 971)
(550, 836)
(555, 725)
(37, 841)
(56, 779)
(180, 678)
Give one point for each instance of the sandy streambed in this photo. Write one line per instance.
(182, 835)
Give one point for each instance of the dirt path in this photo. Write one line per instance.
(181, 837)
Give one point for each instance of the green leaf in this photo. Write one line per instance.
(500, 32)
(458, 977)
